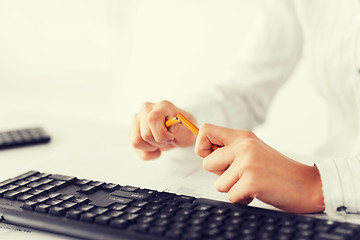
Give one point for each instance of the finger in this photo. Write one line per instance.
(209, 135)
(136, 138)
(167, 146)
(241, 192)
(148, 155)
(218, 161)
(217, 135)
(146, 133)
(156, 121)
(229, 177)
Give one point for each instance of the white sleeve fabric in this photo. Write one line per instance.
(269, 58)
(340, 178)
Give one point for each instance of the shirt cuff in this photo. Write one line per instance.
(338, 186)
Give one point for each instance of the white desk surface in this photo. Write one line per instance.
(100, 152)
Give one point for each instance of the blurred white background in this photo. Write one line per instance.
(100, 60)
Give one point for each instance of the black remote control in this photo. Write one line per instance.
(23, 137)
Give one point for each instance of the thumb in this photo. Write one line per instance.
(210, 135)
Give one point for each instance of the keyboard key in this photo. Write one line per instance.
(48, 188)
(146, 220)
(57, 211)
(130, 216)
(140, 204)
(27, 174)
(45, 180)
(118, 207)
(34, 184)
(203, 207)
(58, 183)
(114, 214)
(99, 211)
(11, 187)
(329, 236)
(69, 205)
(85, 208)
(66, 197)
(192, 235)
(25, 197)
(54, 202)
(53, 195)
(175, 234)
(107, 201)
(29, 205)
(110, 187)
(42, 175)
(119, 223)
(132, 209)
(102, 220)
(37, 192)
(41, 199)
(22, 183)
(43, 208)
(32, 179)
(184, 198)
(67, 179)
(157, 231)
(87, 217)
(12, 195)
(97, 184)
(131, 195)
(86, 189)
(81, 200)
(344, 231)
(73, 214)
(129, 188)
(82, 182)
(23, 189)
(141, 228)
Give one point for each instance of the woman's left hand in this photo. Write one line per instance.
(248, 169)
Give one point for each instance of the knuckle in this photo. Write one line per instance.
(160, 137)
(249, 145)
(201, 154)
(144, 156)
(166, 103)
(136, 141)
(247, 134)
(154, 116)
(205, 128)
(147, 136)
(232, 198)
(207, 165)
(147, 105)
(149, 155)
(247, 164)
(219, 186)
(251, 179)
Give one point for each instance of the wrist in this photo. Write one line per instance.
(316, 193)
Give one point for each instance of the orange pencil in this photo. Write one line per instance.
(172, 121)
(182, 119)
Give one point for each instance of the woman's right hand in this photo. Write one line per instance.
(149, 135)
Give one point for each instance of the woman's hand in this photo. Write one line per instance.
(150, 137)
(248, 169)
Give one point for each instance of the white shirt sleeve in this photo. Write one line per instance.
(269, 58)
(340, 178)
